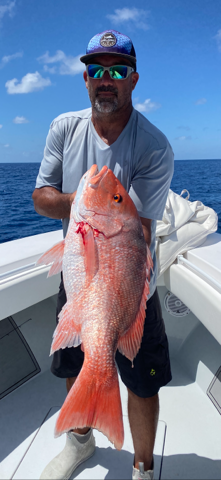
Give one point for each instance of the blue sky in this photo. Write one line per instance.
(178, 47)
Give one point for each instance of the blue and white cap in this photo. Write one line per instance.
(110, 42)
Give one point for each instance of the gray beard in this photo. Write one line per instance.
(105, 106)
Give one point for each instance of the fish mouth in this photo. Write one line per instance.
(96, 176)
(91, 179)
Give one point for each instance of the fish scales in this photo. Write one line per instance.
(105, 267)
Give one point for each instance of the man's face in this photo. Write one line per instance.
(106, 94)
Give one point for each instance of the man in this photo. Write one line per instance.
(112, 133)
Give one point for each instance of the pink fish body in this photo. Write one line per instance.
(106, 264)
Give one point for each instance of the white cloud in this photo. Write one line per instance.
(7, 58)
(1, 126)
(19, 120)
(183, 138)
(68, 65)
(135, 15)
(32, 82)
(6, 145)
(147, 106)
(50, 69)
(218, 39)
(201, 101)
(8, 8)
(58, 57)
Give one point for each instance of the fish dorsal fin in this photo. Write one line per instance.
(55, 255)
(68, 331)
(129, 343)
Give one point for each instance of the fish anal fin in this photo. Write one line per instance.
(129, 343)
(68, 331)
(55, 255)
(93, 403)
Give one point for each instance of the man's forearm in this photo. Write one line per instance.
(51, 203)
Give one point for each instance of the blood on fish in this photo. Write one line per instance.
(106, 270)
(83, 229)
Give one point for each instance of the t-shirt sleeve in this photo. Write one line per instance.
(50, 173)
(151, 182)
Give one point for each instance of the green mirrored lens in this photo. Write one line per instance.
(118, 72)
(95, 71)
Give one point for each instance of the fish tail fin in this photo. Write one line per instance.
(93, 402)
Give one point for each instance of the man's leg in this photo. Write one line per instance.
(150, 372)
(143, 417)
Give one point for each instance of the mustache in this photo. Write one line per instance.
(109, 88)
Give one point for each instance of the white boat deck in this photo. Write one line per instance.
(32, 444)
(188, 444)
(188, 434)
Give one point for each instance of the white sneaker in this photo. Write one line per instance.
(73, 454)
(141, 474)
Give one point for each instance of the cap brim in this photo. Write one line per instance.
(86, 58)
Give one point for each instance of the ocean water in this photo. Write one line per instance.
(18, 219)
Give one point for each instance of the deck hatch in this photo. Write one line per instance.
(214, 390)
(17, 361)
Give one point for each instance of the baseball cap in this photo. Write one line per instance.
(110, 42)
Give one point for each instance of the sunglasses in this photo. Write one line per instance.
(117, 72)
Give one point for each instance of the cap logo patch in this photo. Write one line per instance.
(108, 40)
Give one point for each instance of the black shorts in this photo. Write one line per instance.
(151, 366)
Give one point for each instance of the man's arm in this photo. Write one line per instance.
(49, 202)
(146, 224)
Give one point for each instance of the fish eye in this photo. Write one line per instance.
(117, 198)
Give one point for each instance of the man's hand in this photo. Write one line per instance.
(51, 203)
(146, 224)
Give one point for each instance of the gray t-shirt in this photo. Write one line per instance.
(141, 158)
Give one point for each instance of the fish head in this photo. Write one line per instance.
(103, 203)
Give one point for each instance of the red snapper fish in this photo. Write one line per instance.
(106, 268)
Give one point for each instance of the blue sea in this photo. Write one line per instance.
(18, 219)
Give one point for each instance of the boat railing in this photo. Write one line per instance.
(21, 271)
(181, 260)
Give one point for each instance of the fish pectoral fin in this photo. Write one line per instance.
(90, 254)
(130, 342)
(55, 255)
(68, 331)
